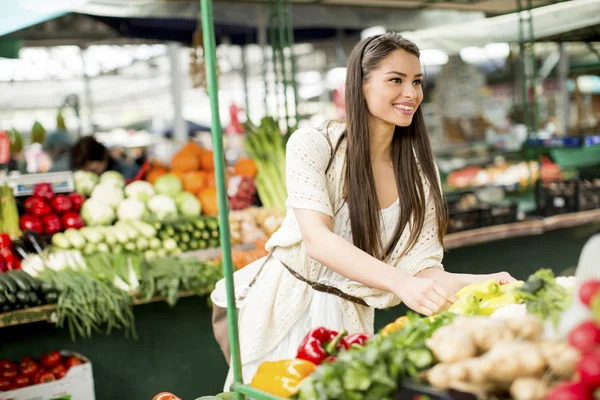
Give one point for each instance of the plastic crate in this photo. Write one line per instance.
(459, 221)
(588, 195)
(553, 198)
(413, 391)
(500, 215)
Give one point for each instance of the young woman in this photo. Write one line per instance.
(366, 216)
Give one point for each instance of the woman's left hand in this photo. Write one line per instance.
(502, 278)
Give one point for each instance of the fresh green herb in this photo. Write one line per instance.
(543, 296)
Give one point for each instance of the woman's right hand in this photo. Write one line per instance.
(424, 295)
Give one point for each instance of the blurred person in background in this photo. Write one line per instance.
(90, 155)
(58, 146)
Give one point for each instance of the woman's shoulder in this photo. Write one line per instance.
(323, 138)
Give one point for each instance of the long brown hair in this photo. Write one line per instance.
(408, 142)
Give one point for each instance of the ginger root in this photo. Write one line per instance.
(528, 389)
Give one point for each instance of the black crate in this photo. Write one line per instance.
(588, 196)
(459, 221)
(413, 391)
(553, 198)
(500, 215)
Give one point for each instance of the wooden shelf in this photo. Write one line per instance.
(530, 227)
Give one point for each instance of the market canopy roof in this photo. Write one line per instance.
(576, 20)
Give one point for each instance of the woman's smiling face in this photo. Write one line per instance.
(393, 90)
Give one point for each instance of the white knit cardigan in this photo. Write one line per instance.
(277, 300)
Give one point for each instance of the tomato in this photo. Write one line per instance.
(50, 359)
(22, 381)
(44, 376)
(59, 371)
(8, 369)
(72, 361)
(5, 385)
(166, 396)
(28, 367)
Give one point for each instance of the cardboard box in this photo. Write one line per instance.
(77, 384)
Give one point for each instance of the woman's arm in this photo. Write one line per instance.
(422, 295)
(455, 282)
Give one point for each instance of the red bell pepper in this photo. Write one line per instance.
(319, 345)
(37, 207)
(5, 240)
(44, 377)
(52, 224)
(10, 261)
(76, 200)
(61, 204)
(356, 339)
(44, 191)
(29, 222)
(72, 220)
(6, 385)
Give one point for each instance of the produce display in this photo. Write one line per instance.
(495, 342)
(50, 367)
(501, 173)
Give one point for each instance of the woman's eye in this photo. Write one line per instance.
(396, 80)
(418, 82)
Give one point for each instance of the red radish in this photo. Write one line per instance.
(585, 336)
(588, 290)
(589, 371)
(37, 207)
(29, 222)
(72, 219)
(570, 391)
(44, 191)
(76, 200)
(61, 204)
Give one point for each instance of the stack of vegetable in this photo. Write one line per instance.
(157, 239)
(483, 356)
(50, 367)
(193, 166)
(20, 290)
(266, 145)
(49, 213)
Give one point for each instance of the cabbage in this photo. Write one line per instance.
(85, 182)
(188, 204)
(140, 190)
(169, 185)
(107, 193)
(131, 209)
(113, 177)
(95, 212)
(163, 207)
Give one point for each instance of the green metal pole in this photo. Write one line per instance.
(245, 79)
(290, 41)
(282, 45)
(217, 140)
(533, 68)
(525, 97)
(273, 40)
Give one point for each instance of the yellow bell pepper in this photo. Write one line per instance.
(394, 326)
(489, 288)
(468, 304)
(488, 306)
(282, 378)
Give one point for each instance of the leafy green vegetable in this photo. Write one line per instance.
(543, 296)
(374, 371)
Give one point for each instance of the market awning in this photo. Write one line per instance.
(549, 22)
(19, 14)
